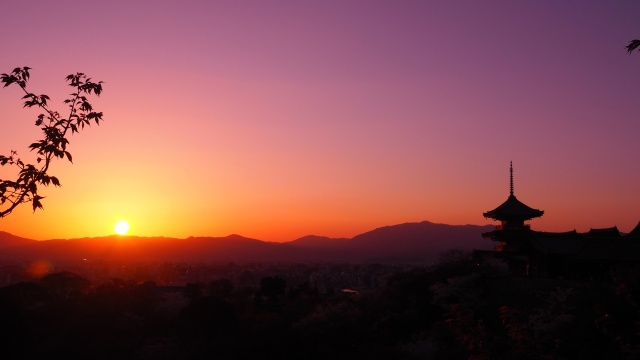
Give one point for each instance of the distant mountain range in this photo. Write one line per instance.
(409, 242)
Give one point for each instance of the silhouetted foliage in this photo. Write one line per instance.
(193, 291)
(220, 288)
(272, 288)
(64, 285)
(16, 300)
(208, 316)
(448, 311)
(633, 45)
(53, 145)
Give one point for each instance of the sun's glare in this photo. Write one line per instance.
(121, 227)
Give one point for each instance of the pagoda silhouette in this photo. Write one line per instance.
(512, 214)
(600, 252)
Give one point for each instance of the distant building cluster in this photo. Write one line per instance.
(323, 277)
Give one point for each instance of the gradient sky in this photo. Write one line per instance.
(279, 119)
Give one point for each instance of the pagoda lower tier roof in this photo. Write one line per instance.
(513, 209)
(635, 233)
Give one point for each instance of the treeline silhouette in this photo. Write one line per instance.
(456, 309)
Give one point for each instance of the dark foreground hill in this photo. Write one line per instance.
(410, 242)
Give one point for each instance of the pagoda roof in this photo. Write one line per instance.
(513, 209)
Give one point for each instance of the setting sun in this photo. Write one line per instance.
(121, 227)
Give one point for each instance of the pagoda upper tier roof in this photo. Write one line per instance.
(513, 209)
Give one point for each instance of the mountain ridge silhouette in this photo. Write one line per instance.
(406, 242)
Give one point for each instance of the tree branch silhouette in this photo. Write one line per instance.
(633, 45)
(54, 143)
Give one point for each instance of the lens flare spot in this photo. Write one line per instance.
(39, 269)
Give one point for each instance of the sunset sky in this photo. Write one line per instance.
(280, 119)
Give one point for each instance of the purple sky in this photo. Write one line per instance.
(279, 119)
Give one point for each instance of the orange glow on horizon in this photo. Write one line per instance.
(317, 124)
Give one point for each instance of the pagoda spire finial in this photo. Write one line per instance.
(511, 178)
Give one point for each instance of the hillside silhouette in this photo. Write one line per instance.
(409, 242)
(10, 240)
